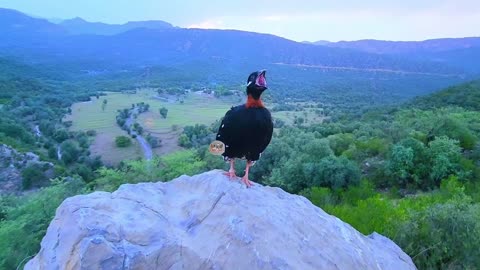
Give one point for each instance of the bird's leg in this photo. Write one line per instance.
(231, 172)
(245, 177)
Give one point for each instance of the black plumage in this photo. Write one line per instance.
(246, 130)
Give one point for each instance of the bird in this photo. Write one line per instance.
(246, 130)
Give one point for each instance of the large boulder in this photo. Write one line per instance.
(206, 222)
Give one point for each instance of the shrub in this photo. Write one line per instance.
(153, 141)
(335, 172)
(26, 219)
(32, 175)
(70, 152)
(123, 141)
(444, 236)
(163, 112)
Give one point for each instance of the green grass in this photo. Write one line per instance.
(196, 109)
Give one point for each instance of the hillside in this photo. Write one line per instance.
(406, 47)
(14, 24)
(207, 222)
(465, 95)
(78, 26)
(456, 52)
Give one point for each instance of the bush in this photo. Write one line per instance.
(195, 136)
(153, 141)
(26, 220)
(375, 214)
(52, 152)
(163, 112)
(70, 152)
(164, 169)
(123, 141)
(278, 123)
(31, 175)
(335, 172)
(61, 135)
(444, 236)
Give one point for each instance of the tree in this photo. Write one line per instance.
(153, 141)
(400, 163)
(123, 141)
(163, 112)
(445, 154)
(104, 104)
(335, 172)
(298, 120)
(31, 175)
(61, 135)
(184, 141)
(52, 152)
(70, 151)
(138, 128)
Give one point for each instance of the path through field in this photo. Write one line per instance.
(146, 148)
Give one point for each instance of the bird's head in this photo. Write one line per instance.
(256, 84)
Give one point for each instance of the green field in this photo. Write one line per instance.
(197, 108)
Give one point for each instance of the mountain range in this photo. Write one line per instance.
(80, 26)
(376, 71)
(155, 42)
(405, 47)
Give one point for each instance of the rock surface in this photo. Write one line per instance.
(206, 222)
(12, 163)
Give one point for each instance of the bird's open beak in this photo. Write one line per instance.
(261, 79)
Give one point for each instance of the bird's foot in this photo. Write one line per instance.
(231, 175)
(247, 182)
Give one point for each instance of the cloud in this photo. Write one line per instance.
(208, 24)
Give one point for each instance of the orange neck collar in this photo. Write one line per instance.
(254, 103)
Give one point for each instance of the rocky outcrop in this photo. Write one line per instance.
(12, 163)
(206, 222)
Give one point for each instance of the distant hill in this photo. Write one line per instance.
(320, 42)
(80, 26)
(465, 95)
(455, 52)
(404, 47)
(17, 24)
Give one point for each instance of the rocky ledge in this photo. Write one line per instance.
(206, 222)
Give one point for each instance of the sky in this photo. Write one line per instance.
(300, 20)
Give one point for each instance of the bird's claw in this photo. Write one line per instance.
(247, 182)
(231, 175)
